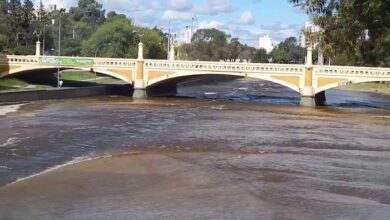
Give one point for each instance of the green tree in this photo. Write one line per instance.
(260, 56)
(233, 50)
(118, 37)
(208, 45)
(4, 26)
(357, 28)
(28, 18)
(87, 16)
(15, 21)
(288, 51)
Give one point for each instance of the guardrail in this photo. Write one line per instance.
(224, 67)
(351, 71)
(68, 61)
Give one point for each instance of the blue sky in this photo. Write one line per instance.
(245, 19)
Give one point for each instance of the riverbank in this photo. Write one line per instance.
(68, 77)
(5, 109)
(368, 87)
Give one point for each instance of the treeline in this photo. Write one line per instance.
(353, 32)
(86, 30)
(216, 45)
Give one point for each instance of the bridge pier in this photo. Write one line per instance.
(139, 82)
(318, 99)
(140, 94)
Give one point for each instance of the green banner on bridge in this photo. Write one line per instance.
(71, 61)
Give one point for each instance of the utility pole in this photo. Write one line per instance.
(59, 48)
(192, 29)
(169, 40)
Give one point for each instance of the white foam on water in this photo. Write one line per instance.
(75, 160)
(384, 116)
(210, 93)
(5, 109)
(10, 141)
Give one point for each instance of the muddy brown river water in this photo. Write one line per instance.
(237, 150)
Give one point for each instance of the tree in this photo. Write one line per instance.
(3, 26)
(15, 21)
(28, 17)
(288, 51)
(87, 16)
(233, 50)
(260, 56)
(357, 28)
(208, 45)
(118, 37)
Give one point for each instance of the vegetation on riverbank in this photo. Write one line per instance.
(368, 87)
(79, 76)
(12, 83)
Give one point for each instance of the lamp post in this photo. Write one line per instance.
(59, 48)
(100, 46)
(96, 52)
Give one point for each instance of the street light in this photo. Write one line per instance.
(97, 50)
(59, 48)
(100, 46)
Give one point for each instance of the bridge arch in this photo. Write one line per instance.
(33, 70)
(162, 78)
(345, 82)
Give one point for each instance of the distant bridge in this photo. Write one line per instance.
(160, 77)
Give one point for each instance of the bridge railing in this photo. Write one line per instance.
(69, 61)
(19, 59)
(351, 71)
(224, 67)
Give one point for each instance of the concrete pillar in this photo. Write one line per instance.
(309, 58)
(171, 53)
(139, 82)
(307, 92)
(38, 48)
(318, 99)
(140, 51)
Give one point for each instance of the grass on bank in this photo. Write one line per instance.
(368, 87)
(16, 83)
(77, 76)
(86, 76)
(12, 83)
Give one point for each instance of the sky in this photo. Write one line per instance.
(243, 19)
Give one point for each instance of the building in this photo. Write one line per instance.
(309, 27)
(187, 35)
(52, 8)
(265, 42)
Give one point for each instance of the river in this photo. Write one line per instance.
(234, 150)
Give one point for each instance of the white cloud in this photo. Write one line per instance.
(171, 15)
(124, 5)
(180, 4)
(59, 3)
(213, 7)
(246, 18)
(210, 24)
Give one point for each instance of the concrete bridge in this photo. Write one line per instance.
(160, 77)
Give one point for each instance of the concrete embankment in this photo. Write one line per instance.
(63, 93)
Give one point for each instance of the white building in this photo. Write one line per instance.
(187, 35)
(265, 42)
(309, 26)
(52, 8)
